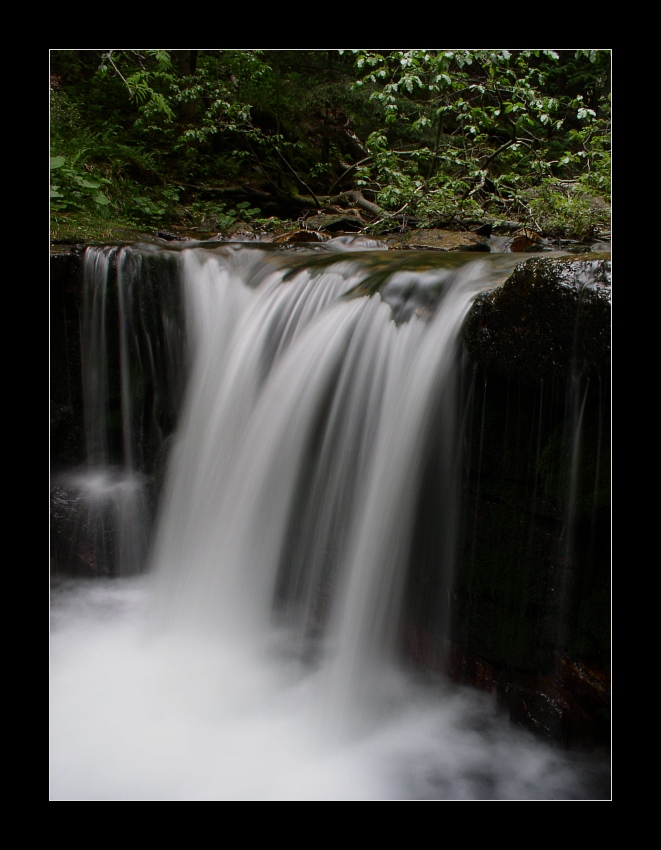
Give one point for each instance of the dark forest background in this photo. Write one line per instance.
(393, 139)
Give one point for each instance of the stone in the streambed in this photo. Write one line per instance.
(300, 236)
(349, 222)
(526, 240)
(441, 240)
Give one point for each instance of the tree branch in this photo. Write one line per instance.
(291, 168)
(117, 71)
(347, 170)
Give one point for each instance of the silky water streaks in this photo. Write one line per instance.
(259, 656)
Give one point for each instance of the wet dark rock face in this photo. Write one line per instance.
(552, 316)
(531, 607)
(66, 392)
(79, 545)
(90, 534)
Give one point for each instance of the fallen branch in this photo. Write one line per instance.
(357, 198)
(389, 216)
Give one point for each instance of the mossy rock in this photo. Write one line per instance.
(551, 318)
(441, 240)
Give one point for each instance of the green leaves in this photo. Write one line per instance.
(492, 121)
(74, 188)
(434, 133)
(377, 141)
(161, 104)
(572, 210)
(583, 112)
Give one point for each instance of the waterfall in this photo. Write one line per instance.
(132, 357)
(311, 411)
(297, 471)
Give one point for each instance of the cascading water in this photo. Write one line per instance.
(132, 374)
(318, 445)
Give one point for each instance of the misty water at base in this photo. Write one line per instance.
(134, 717)
(258, 659)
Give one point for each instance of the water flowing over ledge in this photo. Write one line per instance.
(319, 528)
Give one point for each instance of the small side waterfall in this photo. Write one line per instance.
(133, 368)
(313, 413)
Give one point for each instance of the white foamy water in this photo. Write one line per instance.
(258, 660)
(139, 717)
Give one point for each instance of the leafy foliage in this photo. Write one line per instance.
(485, 125)
(160, 138)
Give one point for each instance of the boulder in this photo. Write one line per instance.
(348, 222)
(300, 236)
(550, 317)
(441, 240)
(532, 582)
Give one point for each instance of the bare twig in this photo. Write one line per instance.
(118, 72)
(502, 148)
(389, 216)
(347, 171)
(263, 170)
